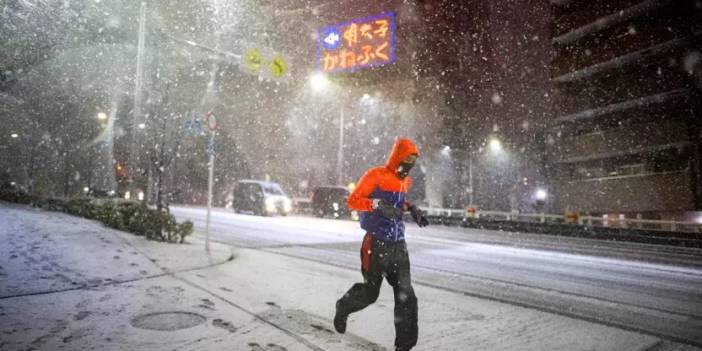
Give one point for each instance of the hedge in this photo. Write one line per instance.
(130, 216)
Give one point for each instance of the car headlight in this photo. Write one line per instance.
(287, 205)
(270, 205)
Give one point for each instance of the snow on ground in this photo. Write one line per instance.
(104, 318)
(71, 283)
(448, 321)
(44, 251)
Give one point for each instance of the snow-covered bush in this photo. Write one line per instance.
(122, 215)
(184, 229)
(81, 207)
(141, 220)
(11, 193)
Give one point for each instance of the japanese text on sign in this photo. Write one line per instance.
(357, 44)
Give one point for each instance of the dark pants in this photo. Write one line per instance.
(390, 260)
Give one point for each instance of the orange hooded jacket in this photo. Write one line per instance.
(383, 183)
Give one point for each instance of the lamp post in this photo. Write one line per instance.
(137, 124)
(495, 147)
(320, 83)
(102, 118)
(212, 127)
(471, 189)
(340, 155)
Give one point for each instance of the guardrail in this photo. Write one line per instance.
(453, 215)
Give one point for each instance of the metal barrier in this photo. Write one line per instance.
(588, 221)
(646, 224)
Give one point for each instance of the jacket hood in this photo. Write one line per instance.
(400, 151)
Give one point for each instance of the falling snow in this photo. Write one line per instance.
(462, 70)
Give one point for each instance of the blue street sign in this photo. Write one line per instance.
(193, 124)
(211, 147)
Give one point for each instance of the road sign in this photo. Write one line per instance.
(356, 44)
(193, 124)
(278, 67)
(264, 63)
(211, 122)
(253, 60)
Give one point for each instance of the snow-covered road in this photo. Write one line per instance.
(647, 288)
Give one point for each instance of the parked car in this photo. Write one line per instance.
(330, 201)
(302, 205)
(260, 197)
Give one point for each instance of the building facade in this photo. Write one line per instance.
(625, 133)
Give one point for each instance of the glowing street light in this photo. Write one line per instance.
(495, 149)
(541, 194)
(495, 145)
(319, 82)
(446, 151)
(14, 135)
(102, 116)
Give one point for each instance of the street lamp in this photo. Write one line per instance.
(541, 194)
(495, 145)
(319, 82)
(446, 151)
(102, 116)
(14, 135)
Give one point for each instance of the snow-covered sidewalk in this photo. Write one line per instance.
(70, 283)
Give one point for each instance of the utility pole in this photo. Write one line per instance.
(210, 181)
(133, 160)
(212, 126)
(471, 189)
(340, 156)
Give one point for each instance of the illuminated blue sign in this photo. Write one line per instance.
(356, 44)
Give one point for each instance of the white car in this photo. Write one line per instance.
(260, 197)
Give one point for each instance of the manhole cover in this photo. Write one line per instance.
(167, 321)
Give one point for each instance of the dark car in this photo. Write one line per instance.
(260, 197)
(330, 201)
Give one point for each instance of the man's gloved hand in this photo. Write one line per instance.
(386, 210)
(418, 216)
